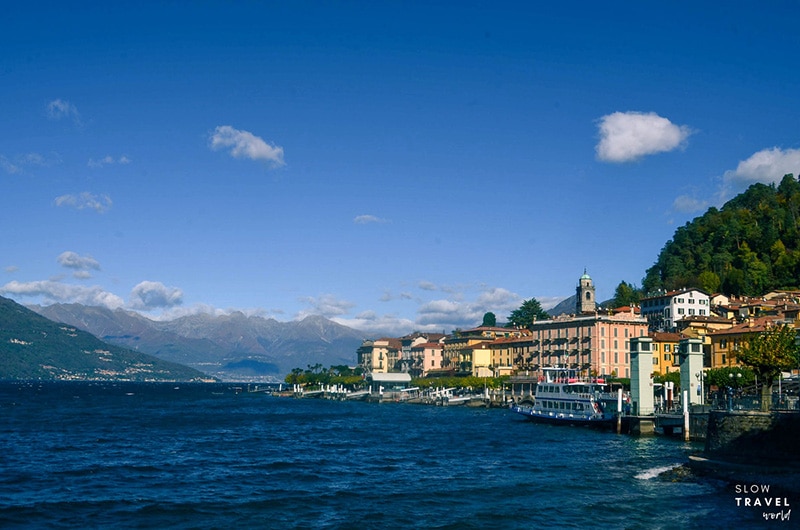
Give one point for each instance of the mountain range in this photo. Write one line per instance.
(229, 347)
(34, 347)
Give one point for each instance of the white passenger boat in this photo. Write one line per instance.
(563, 398)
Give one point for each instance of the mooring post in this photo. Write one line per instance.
(619, 410)
(685, 415)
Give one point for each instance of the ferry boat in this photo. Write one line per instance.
(561, 397)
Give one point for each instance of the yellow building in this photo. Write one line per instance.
(379, 356)
(508, 353)
(458, 346)
(665, 352)
(725, 343)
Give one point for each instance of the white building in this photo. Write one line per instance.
(663, 309)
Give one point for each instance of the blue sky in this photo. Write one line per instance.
(394, 166)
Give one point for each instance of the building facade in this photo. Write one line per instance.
(596, 343)
(662, 310)
(665, 351)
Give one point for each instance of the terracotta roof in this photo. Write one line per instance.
(425, 345)
(673, 293)
(753, 325)
(662, 336)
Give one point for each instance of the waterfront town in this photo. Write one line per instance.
(596, 342)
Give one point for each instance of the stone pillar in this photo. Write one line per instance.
(690, 352)
(641, 372)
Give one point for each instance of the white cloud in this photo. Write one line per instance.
(367, 219)
(326, 305)
(20, 163)
(153, 295)
(688, 204)
(8, 166)
(547, 302)
(73, 260)
(427, 286)
(11, 269)
(59, 109)
(628, 136)
(381, 325)
(57, 292)
(85, 200)
(456, 313)
(767, 166)
(245, 144)
(107, 161)
(498, 299)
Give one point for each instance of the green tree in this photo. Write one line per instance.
(751, 244)
(709, 281)
(529, 311)
(734, 376)
(768, 354)
(489, 320)
(626, 294)
(670, 377)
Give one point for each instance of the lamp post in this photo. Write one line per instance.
(733, 377)
(699, 376)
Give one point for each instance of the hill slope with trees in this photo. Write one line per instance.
(748, 247)
(33, 347)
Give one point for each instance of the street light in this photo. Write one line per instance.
(699, 376)
(731, 376)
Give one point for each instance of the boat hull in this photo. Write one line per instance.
(600, 422)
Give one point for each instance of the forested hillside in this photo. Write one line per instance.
(748, 247)
(33, 347)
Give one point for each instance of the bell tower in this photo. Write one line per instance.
(585, 294)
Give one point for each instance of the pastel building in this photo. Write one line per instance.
(428, 356)
(665, 351)
(663, 309)
(596, 342)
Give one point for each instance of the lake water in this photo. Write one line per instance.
(82, 455)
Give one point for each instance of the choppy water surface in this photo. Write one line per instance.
(84, 455)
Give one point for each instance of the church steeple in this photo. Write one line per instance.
(585, 295)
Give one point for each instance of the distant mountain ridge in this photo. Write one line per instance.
(232, 347)
(34, 347)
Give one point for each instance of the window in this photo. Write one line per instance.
(666, 347)
(691, 300)
(616, 357)
(680, 310)
(655, 359)
(691, 311)
(667, 357)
